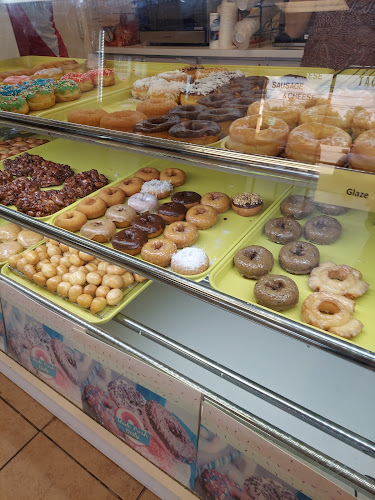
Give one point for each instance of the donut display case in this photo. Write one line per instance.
(186, 242)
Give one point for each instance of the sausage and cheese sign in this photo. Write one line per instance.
(299, 88)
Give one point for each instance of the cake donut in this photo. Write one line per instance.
(131, 186)
(168, 432)
(202, 216)
(219, 201)
(276, 292)
(89, 117)
(112, 196)
(92, 207)
(129, 240)
(187, 198)
(297, 206)
(102, 406)
(159, 252)
(253, 261)
(322, 230)
(218, 486)
(156, 107)
(183, 234)
(247, 204)
(65, 359)
(148, 174)
(299, 257)
(331, 209)
(157, 126)
(190, 261)
(121, 215)
(175, 176)
(262, 488)
(151, 224)
(282, 230)
(172, 212)
(143, 202)
(72, 220)
(158, 188)
(126, 396)
(99, 230)
(123, 121)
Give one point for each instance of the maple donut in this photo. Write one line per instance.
(247, 204)
(253, 261)
(112, 196)
(92, 207)
(297, 206)
(182, 233)
(219, 201)
(322, 230)
(276, 292)
(123, 121)
(160, 189)
(71, 221)
(282, 230)
(362, 155)
(90, 117)
(129, 240)
(172, 212)
(121, 215)
(99, 230)
(202, 216)
(143, 202)
(155, 107)
(299, 257)
(159, 252)
(187, 198)
(131, 186)
(147, 174)
(190, 261)
(152, 225)
(175, 176)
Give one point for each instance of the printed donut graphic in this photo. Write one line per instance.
(132, 427)
(42, 362)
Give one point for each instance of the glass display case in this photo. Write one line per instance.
(201, 217)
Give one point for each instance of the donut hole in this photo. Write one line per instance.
(338, 274)
(328, 307)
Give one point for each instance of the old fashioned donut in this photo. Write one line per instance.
(187, 112)
(253, 261)
(172, 212)
(175, 176)
(92, 207)
(158, 126)
(289, 113)
(112, 196)
(99, 230)
(148, 174)
(219, 201)
(282, 230)
(299, 257)
(124, 121)
(155, 107)
(160, 189)
(190, 261)
(72, 220)
(187, 198)
(331, 209)
(159, 252)
(121, 215)
(339, 280)
(332, 313)
(151, 224)
(258, 135)
(89, 117)
(129, 240)
(329, 115)
(202, 216)
(318, 143)
(322, 230)
(297, 206)
(168, 432)
(143, 202)
(28, 238)
(131, 186)
(276, 292)
(196, 132)
(362, 155)
(247, 204)
(222, 116)
(182, 233)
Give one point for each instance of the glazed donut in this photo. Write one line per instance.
(329, 115)
(190, 261)
(152, 225)
(143, 202)
(129, 240)
(155, 107)
(67, 90)
(89, 117)
(175, 176)
(322, 230)
(157, 126)
(222, 116)
(201, 216)
(187, 112)
(299, 257)
(148, 174)
(318, 143)
(83, 80)
(247, 204)
(121, 215)
(331, 209)
(282, 230)
(112, 196)
(72, 220)
(8, 249)
(253, 261)
(183, 234)
(9, 232)
(92, 207)
(196, 132)
(276, 292)
(219, 201)
(160, 189)
(172, 212)
(287, 112)
(187, 198)
(339, 280)
(362, 155)
(28, 238)
(124, 121)
(297, 206)
(131, 186)
(216, 100)
(99, 230)
(332, 313)
(257, 135)
(158, 252)
(362, 121)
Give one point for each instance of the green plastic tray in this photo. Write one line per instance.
(354, 248)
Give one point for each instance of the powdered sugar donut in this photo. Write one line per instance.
(261, 488)
(65, 359)
(126, 396)
(190, 261)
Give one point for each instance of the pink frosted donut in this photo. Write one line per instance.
(14, 80)
(143, 202)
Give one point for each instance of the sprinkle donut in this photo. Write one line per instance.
(168, 432)
(65, 358)
(126, 396)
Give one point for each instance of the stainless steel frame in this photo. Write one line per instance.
(270, 432)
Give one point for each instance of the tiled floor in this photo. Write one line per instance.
(42, 458)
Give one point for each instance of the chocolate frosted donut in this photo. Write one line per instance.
(126, 396)
(157, 124)
(253, 261)
(195, 129)
(323, 230)
(129, 240)
(215, 100)
(299, 257)
(331, 209)
(242, 104)
(187, 111)
(172, 212)
(150, 224)
(282, 230)
(219, 115)
(276, 292)
(187, 198)
(169, 432)
(297, 206)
